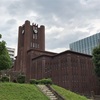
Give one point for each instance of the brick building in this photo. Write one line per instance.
(69, 69)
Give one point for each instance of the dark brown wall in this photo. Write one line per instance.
(69, 70)
(35, 66)
(75, 72)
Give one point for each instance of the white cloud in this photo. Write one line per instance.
(54, 29)
(66, 20)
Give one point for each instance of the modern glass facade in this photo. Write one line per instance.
(86, 45)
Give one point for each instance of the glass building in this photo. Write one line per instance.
(86, 45)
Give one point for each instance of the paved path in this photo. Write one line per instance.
(47, 92)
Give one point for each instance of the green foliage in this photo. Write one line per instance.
(21, 79)
(46, 81)
(15, 91)
(42, 81)
(96, 60)
(5, 79)
(34, 81)
(0, 36)
(5, 60)
(68, 95)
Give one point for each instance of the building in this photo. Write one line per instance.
(11, 52)
(29, 37)
(69, 69)
(86, 45)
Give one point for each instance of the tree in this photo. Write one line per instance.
(96, 60)
(5, 60)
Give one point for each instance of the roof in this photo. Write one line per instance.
(67, 51)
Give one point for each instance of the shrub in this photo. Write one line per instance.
(42, 81)
(5, 79)
(46, 81)
(21, 79)
(49, 81)
(14, 81)
(34, 81)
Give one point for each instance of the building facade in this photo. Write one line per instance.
(11, 52)
(69, 69)
(86, 45)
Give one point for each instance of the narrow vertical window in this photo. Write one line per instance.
(35, 45)
(33, 36)
(38, 46)
(31, 44)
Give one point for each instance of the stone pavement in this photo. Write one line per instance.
(47, 92)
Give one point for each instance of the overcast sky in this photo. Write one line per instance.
(66, 21)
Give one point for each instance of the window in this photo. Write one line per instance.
(33, 36)
(37, 45)
(33, 45)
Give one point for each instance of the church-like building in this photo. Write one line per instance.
(69, 69)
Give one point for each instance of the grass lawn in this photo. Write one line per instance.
(68, 95)
(14, 91)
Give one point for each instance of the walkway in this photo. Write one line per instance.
(49, 92)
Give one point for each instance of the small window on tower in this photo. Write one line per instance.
(33, 45)
(38, 46)
(33, 36)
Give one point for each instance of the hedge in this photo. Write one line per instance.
(42, 81)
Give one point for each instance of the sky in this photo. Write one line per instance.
(65, 21)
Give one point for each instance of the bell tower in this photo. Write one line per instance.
(29, 37)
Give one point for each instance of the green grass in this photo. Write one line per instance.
(13, 91)
(68, 95)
